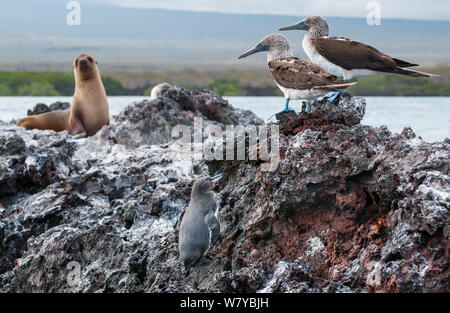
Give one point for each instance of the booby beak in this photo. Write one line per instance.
(258, 48)
(299, 26)
(216, 178)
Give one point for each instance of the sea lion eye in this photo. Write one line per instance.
(90, 59)
(76, 62)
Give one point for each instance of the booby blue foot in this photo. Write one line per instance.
(333, 95)
(286, 108)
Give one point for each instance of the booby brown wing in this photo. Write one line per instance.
(350, 54)
(402, 63)
(299, 74)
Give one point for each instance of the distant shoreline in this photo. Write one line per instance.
(231, 82)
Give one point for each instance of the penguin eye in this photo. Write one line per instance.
(206, 183)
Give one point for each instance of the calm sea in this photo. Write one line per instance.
(429, 117)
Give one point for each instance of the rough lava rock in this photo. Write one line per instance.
(350, 208)
(43, 108)
(150, 122)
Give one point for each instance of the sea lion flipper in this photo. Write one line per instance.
(76, 126)
(54, 120)
(25, 123)
(79, 136)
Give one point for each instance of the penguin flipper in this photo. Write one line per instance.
(214, 227)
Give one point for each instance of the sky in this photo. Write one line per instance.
(37, 31)
(405, 9)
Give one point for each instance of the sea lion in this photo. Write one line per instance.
(89, 111)
(55, 120)
(158, 89)
(199, 228)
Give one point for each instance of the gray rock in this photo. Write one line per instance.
(350, 208)
(151, 122)
(43, 108)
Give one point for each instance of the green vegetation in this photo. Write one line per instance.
(226, 87)
(5, 90)
(230, 82)
(37, 89)
(260, 83)
(396, 85)
(147, 91)
(47, 84)
(113, 87)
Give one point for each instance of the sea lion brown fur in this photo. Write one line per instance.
(89, 111)
(55, 120)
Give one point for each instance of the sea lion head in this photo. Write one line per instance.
(85, 67)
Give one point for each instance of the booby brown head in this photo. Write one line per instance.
(316, 26)
(276, 45)
(85, 67)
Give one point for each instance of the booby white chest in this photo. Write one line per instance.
(306, 94)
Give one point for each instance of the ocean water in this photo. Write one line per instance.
(429, 117)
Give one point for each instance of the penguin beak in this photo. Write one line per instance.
(258, 48)
(216, 178)
(298, 26)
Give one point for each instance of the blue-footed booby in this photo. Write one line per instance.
(297, 79)
(347, 58)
